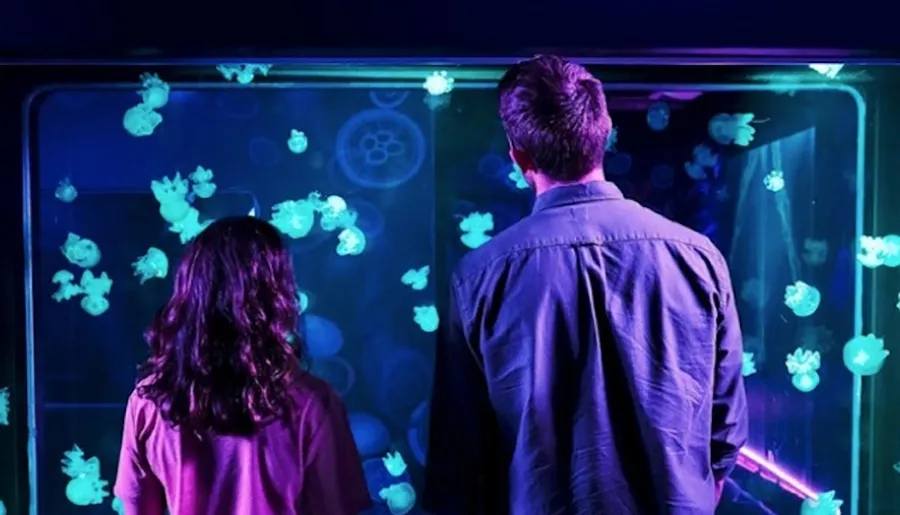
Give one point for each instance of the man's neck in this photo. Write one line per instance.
(543, 184)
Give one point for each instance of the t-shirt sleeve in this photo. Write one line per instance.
(334, 483)
(136, 485)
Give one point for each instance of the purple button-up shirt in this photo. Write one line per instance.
(589, 364)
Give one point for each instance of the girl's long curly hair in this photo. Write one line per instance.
(222, 350)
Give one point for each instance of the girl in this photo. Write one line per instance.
(224, 421)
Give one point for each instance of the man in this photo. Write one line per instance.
(590, 360)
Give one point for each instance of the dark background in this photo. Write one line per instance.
(166, 28)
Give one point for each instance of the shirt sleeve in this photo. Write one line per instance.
(455, 464)
(334, 482)
(729, 414)
(136, 485)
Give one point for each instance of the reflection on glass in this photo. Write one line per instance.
(348, 174)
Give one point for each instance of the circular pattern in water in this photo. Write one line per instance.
(380, 148)
(388, 98)
(493, 166)
(336, 371)
(369, 219)
(323, 338)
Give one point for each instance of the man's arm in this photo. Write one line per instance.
(459, 404)
(729, 414)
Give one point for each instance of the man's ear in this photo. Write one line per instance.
(521, 160)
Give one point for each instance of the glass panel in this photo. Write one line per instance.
(781, 205)
(386, 149)
(373, 148)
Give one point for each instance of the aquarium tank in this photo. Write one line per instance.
(380, 180)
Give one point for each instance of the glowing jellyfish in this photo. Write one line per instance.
(295, 218)
(803, 366)
(726, 129)
(827, 70)
(662, 177)
(704, 156)
(370, 434)
(95, 289)
(394, 464)
(474, 228)
(774, 181)
(67, 288)
(438, 83)
(416, 278)
(141, 120)
(694, 171)
(426, 317)
(351, 242)
(400, 498)
(302, 301)
(388, 98)
(153, 264)
(436, 102)
(865, 355)
(154, 91)
(4, 406)
(369, 218)
(380, 148)
(85, 487)
(243, 73)
(658, 116)
(336, 214)
(815, 252)
(172, 197)
(516, 177)
(612, 140)
(802, 299)
(704, 159)
(2, 508)
(118, 506)
(190, 227)
(65, 192)
(202, 185)
(297, 142)
(871, 251)
(891, 251)
(323, 337)
(748, 365)
(80, 251)
(826, 504)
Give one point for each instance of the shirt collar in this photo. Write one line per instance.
(576, 194)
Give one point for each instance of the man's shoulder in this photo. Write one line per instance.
(503, 246)
(634, 225)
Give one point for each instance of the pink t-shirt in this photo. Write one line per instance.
(309, 466)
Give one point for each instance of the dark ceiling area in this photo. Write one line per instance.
(57, 29)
